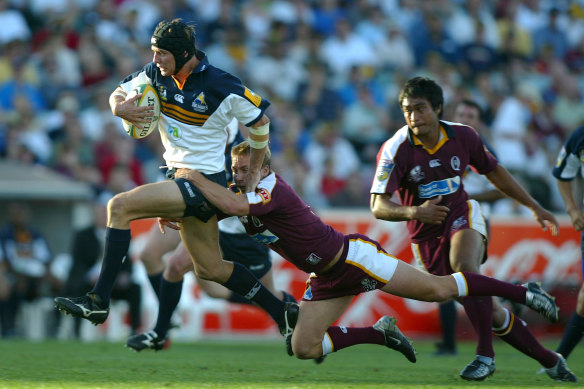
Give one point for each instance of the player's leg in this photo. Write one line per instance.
(447, 313)
(201, 240)
(315, 337)
(575, 328)
(158, 199)
(239, 247)
(513, 330)
(467, 251)
(177, 265)
(151, 254)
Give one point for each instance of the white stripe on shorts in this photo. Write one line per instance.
(376, 264)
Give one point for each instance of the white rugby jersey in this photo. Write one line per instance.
(194, 116)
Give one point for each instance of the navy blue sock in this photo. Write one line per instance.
(448, 321)
(117, 243)
(243, 282)
(238, 299)
(168, 300)
(155, 280)
(572, 335)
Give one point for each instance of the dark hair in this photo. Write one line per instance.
(423, 88)
(475, 105)
(178, 38)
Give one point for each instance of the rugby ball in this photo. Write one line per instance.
(149, 97)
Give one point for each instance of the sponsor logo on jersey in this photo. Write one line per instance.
(461, 221)
(369, 284)
(435, 163)
(173, 132)
(416, 174)
(179, 98)
(384, 169)
(455, 163)
(199, 104)
(265, 195)
(162, 92)
(313, 259)
(251, 96)
(441, 187)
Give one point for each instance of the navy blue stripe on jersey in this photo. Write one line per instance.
(201, 95)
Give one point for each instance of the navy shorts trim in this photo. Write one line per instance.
(196, 204)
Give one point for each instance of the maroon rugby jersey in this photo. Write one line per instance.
(280, 219)
(418, 174)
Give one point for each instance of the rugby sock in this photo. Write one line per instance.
(516, 334)
(289, 298)
(243, 281)
(572, 335)
(448, 323)
(479, 310)
(338, 338)
(168, 300)
(238, 299)
(474, 284)
(155, 280)
(117, 243)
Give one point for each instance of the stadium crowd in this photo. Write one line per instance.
(331, 68)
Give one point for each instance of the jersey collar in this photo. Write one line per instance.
(446, 132)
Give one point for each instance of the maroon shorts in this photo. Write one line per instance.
(434, 253)
(363, 266)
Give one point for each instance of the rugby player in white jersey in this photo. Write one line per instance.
(198, 101)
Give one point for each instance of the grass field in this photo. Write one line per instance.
(253, 364)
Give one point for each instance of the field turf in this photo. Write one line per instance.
(256, 364)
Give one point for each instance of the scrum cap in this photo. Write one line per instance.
(176, 37)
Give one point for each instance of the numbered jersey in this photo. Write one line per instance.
(280, 219)
(195, 115)
(418, 174)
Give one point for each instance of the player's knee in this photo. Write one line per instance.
(176, 269)
(306, 348)
(118, 206)
(209, 274)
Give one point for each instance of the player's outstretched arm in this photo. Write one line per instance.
(507, 184)
(228, 202)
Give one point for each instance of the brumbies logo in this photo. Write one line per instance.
(162, 92)
(265, 195)
(199, 104)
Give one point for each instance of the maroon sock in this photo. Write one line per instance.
(342, 337)
(479, 285)
(518, 335)
(480, 313)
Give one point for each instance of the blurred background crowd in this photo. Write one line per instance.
(331, 68)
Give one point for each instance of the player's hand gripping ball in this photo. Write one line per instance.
(149, 97)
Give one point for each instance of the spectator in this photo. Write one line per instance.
(25, 266)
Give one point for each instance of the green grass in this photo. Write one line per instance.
(252, 364)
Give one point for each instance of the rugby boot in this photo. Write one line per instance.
(89, 307)
(394, 338)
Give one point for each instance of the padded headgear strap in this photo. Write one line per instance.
(176, 37)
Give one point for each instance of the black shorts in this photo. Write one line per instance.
(197, 204)
(243, 249)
